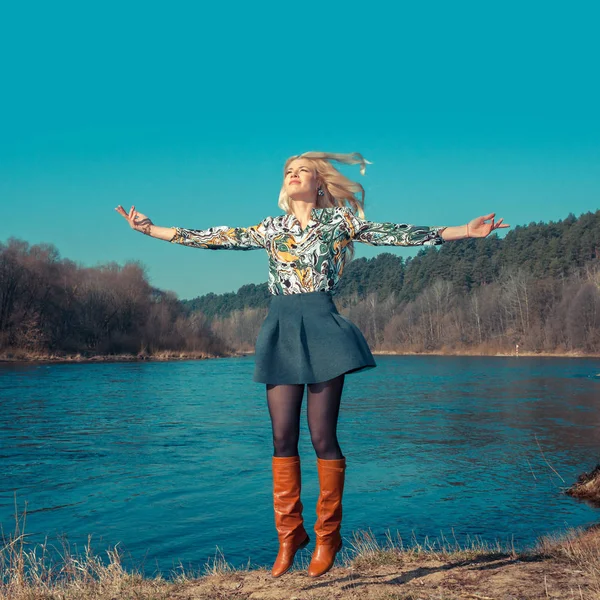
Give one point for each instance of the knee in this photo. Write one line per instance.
(286, 445)
(326, 446)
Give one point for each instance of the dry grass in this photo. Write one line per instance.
(48, 571)
(58, 571)
(23, 355)
(579, 547)
(162, 355)
(366, 552)
(566, 566)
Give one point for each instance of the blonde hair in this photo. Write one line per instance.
(338, 190)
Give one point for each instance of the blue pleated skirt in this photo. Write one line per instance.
(304, 339)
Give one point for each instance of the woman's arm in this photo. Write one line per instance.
(214, 238)
(454, 233)
(401, 234)
(222, 237)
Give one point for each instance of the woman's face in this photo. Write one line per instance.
(300, 180)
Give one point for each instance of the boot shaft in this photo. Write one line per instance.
(329, 505)
(287, 505)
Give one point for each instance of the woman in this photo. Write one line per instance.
(304, 340)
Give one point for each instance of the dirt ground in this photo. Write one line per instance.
(495, 578)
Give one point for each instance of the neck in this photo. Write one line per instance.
(302, 208)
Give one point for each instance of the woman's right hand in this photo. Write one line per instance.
(136, 219)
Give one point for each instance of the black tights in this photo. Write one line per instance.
(285, 402)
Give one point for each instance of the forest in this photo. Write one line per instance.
(538, 287)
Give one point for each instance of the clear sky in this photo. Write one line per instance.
(189, 109)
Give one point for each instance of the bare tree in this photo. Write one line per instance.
(515, 300)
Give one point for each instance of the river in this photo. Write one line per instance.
(171, 460)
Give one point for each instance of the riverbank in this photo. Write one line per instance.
(491, 353)
(566, 567)
(34, 357)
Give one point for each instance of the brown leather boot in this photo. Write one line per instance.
(288, 512)
(329, 515)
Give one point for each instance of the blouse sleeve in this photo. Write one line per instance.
(223, 237)
(391, 234)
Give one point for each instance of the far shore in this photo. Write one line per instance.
(32, 357)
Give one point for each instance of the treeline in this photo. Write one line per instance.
(50, 305)
(539, 288)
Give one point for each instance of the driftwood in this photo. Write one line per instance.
(587, 487)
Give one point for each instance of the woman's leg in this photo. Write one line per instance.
(285, 402)
(284, 407)
(323, 410)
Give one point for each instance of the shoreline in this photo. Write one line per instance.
(493, 354)
(563, 565)
(179, 356)
(108, 358)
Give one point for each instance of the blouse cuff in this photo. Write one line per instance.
(176, 235)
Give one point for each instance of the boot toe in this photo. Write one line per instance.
(318, 570)
(280, 570)
(323, 559)
(285, 558)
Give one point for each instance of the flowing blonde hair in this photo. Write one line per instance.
(338, 190)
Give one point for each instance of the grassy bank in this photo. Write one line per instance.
(566, 567)
(22, 356)
(480, 352)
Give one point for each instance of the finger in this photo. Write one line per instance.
(121, 211)
(131, 211)
(490, 216)
(499, 221)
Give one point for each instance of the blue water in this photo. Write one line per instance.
(172, 459)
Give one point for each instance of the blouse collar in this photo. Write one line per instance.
(315, 217)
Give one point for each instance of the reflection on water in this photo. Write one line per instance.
(173, 459)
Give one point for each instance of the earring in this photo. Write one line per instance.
(320, 192)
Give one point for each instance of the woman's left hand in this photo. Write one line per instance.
(479, 228)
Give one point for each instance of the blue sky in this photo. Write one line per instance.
(189, 111)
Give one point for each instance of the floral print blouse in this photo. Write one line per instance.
(309, 259)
